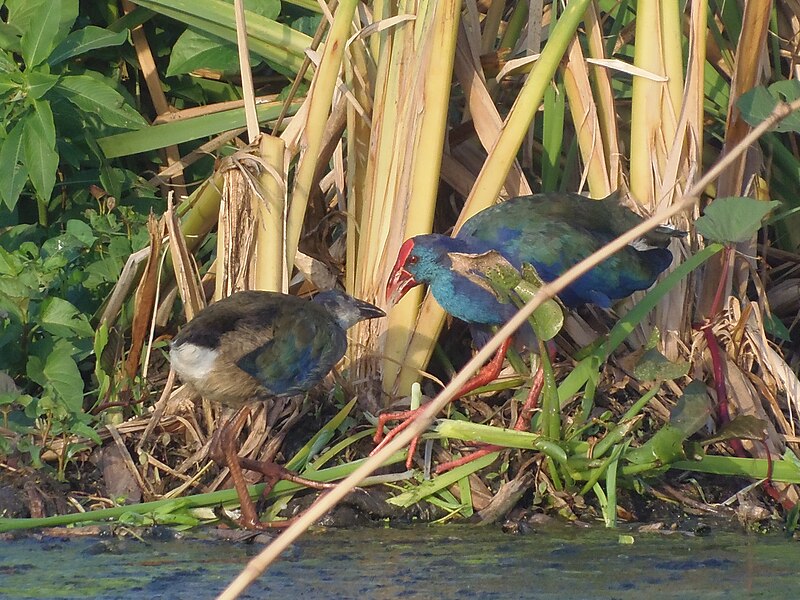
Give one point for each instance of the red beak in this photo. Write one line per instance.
(400, 281)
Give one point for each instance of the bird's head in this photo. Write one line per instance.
(346, 310)
(422, 259)
(402, 277)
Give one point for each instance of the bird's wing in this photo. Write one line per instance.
(528, 230)
(303, 348)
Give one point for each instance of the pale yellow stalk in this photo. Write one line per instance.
(645, 116)
(432, 77)
(603, 96)
(585, 120)
(271, 268)
(320, 96)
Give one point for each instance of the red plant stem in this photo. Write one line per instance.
(531, 402)
(720, 385)
(716, 305)
(718, 369)
(723, 407)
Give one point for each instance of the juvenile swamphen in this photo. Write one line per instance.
(255, 345)
(552, 232)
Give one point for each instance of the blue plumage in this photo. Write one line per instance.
(552, 232)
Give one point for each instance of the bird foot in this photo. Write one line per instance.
(523, 424)
(223, 450)
(407, 417)
(464, 460)
(488, 373)
(273, 473)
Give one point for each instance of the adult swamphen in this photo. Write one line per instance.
(255, 345)
(552, 232)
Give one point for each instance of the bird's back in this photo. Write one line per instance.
(553, 232)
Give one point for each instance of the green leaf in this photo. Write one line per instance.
(105, 270)
(39, 83)
(176, 132)
(775, 327)
(692, 410)
(654, 366)
(39, 39)
(62, 319)
(100, 342)
(82, 231)
(40, 156)
(42, 116)
(274, 41)
(7, 64)
(688, 416)
(548, 318)
(84, 430)
(307, 24)
(84, 40)
(758, 103)
(62, 374)
(491, 271)
(13, 172)
(733, 219)
(196, 50)
(69, 13)
(94, 96)
(741, 427)
(270, 9)
(10, 263)
(9, 37)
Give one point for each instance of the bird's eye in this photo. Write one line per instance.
(413, 259)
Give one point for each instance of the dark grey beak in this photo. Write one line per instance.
(367, 310)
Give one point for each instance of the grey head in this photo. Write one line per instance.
(346, 310)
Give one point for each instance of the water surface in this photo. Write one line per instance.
(422, 562)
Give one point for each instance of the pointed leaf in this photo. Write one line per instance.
(40, 156)
(86, 431)
(13, 173)
(741, 427)
(82, 231)
(494, 273)
(548, 318)
(39, 39)
(39, 83)
(84, 40)
(94, 96)
(692, 409)
(62, 373)
(9, 37)
(733, 219)
(688, 416)
(195, 50)
(69, 13)
(42, 117)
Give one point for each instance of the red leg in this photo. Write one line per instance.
(523, 424)
(223, 450)
(531, 402)
(487, 374)
(466, 459)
